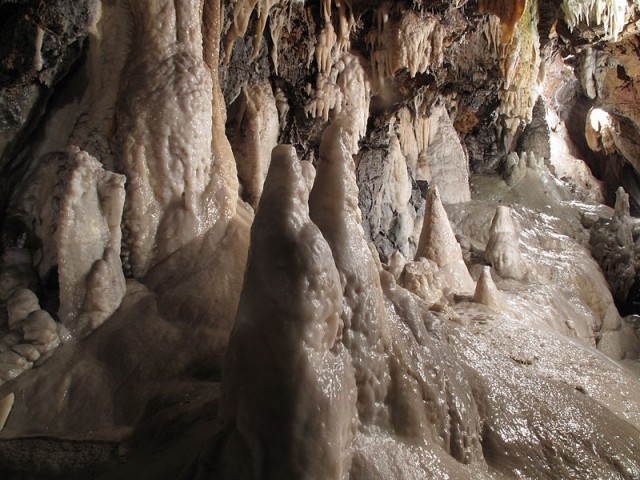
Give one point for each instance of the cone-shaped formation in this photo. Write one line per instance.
(396, 264)
(333, 203)
(621, 208)
(286, 375)
(487, 293)
(439, 244)
(503, 248)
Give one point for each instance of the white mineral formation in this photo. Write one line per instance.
(254, 136)
(448, 162)
(487, 293)
(621, 208)
(397, 261)
(433, 151)
(6, 404)
(79, 232)
(333, 204)
(423, 278)
(600, 131)
(516, 42)
(181, 178)
(439, 244)
(608, 13)
(413, 42)
(514, 168)
(345, 93)
(503, 247)
(88, 240)
(287, 373)
(413, 133)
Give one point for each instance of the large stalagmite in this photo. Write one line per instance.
(334, 208)
(287, 375)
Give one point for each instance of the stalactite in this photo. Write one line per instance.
(608, 13)
(509, 13)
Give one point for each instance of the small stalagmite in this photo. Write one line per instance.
(438, 243)
(503, 248)
(397, 262)
(487, 293)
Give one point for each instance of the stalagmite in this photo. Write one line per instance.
(423, 278)
(503, 248)
(350, 358)
(439, 244)
(397, 261)
(487, 293)
(333, 204)
(288, 392)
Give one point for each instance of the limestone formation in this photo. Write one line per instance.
(439, 244)
(487, 293)
(397, 263)
(333, 205)
(287, 374)
(503, 247)
(424, 279)
(253, 137)
(282, 327)
(79, 233)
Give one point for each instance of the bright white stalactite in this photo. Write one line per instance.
(608, 13)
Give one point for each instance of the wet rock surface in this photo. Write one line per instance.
(410, 292)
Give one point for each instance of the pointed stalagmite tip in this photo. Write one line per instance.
(487, 293)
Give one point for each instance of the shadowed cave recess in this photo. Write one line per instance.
(322, 239)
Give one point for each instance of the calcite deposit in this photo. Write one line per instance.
(321, 239)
